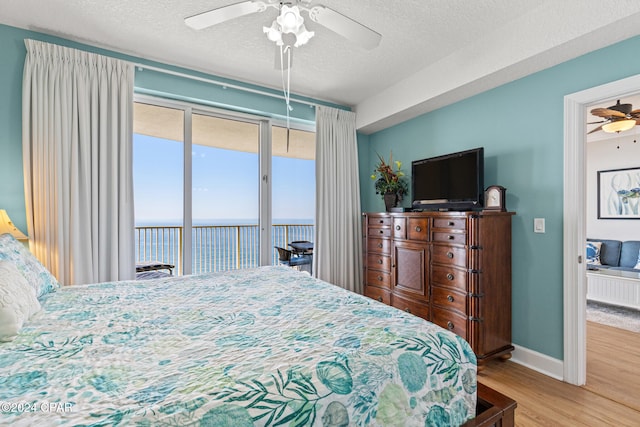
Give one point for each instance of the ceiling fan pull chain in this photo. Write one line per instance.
(286, 86)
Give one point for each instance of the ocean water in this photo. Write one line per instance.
(217, 245)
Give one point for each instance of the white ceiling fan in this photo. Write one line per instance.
(288, 29)
(290, 21)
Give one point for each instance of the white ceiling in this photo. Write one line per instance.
(433, 52)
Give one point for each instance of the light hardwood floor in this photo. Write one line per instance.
(611, 396)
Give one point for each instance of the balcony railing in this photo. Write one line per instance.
(214, 247)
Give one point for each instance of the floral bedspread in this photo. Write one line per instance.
(265, 346)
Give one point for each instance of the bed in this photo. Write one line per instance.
(265, 346)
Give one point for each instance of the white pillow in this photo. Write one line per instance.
(18, 301)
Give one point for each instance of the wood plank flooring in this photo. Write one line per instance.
(610, 398)
(613, 364)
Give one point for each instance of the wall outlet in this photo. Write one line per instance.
(538, 225)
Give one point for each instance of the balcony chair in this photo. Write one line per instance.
(287, 257)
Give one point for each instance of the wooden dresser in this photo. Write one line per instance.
(452, 268)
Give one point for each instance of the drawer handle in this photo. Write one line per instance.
(379, 245)
(381, 231)
(449, 255)
(450, 298)
(451, 237)
(382, 221)
(450, 276)
(451, 223)
(380, 278)
(418, 229)
(380, 299)
(379, 261)
(398, 227)
(450, 325)
(407, 310)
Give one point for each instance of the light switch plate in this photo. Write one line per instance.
(538, 225)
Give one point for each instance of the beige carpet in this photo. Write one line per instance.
(611, 315)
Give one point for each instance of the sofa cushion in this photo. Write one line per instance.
(629, 253)
(609, 251)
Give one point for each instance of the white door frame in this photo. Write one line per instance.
(574, 213)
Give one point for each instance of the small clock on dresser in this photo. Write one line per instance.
(495, 198)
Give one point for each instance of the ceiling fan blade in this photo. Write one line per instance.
(601, 121)
(595, 130)
(346, 27)
(223, 14)
(607, 112)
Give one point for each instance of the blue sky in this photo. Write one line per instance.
(225, 184)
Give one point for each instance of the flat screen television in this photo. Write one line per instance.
(453, 181)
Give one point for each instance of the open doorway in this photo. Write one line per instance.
(612, 214)
(574, 220)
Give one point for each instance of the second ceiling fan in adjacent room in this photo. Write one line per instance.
(617, 118)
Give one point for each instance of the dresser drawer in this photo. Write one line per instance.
(379, 262)
(450, 236)
(378, 294)
(379, 221)
(449, 277)
(379, 278)
(379, 232)
(449, 255)
(418, 229)
(381, 246)
(454, 322)
(410, 306)
(399, 228)
(453, 223)
(449, 299)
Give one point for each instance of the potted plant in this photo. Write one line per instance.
(389, 182)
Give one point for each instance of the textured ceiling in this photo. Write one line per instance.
(455, 43)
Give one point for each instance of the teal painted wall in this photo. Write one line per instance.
(520, 125)
(13, 53)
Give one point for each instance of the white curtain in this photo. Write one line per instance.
(77, 118)
(338, 235)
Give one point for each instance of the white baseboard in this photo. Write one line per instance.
(539, 362)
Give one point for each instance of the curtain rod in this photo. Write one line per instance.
(220, 83)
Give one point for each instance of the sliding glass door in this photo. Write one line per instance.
(225, 167)
(158, 178)
(293, 189)
(208, 184)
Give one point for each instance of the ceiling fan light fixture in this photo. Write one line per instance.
(273, 33)
(289, 19)
(303, 36)
(288, 22)
(619, 126)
